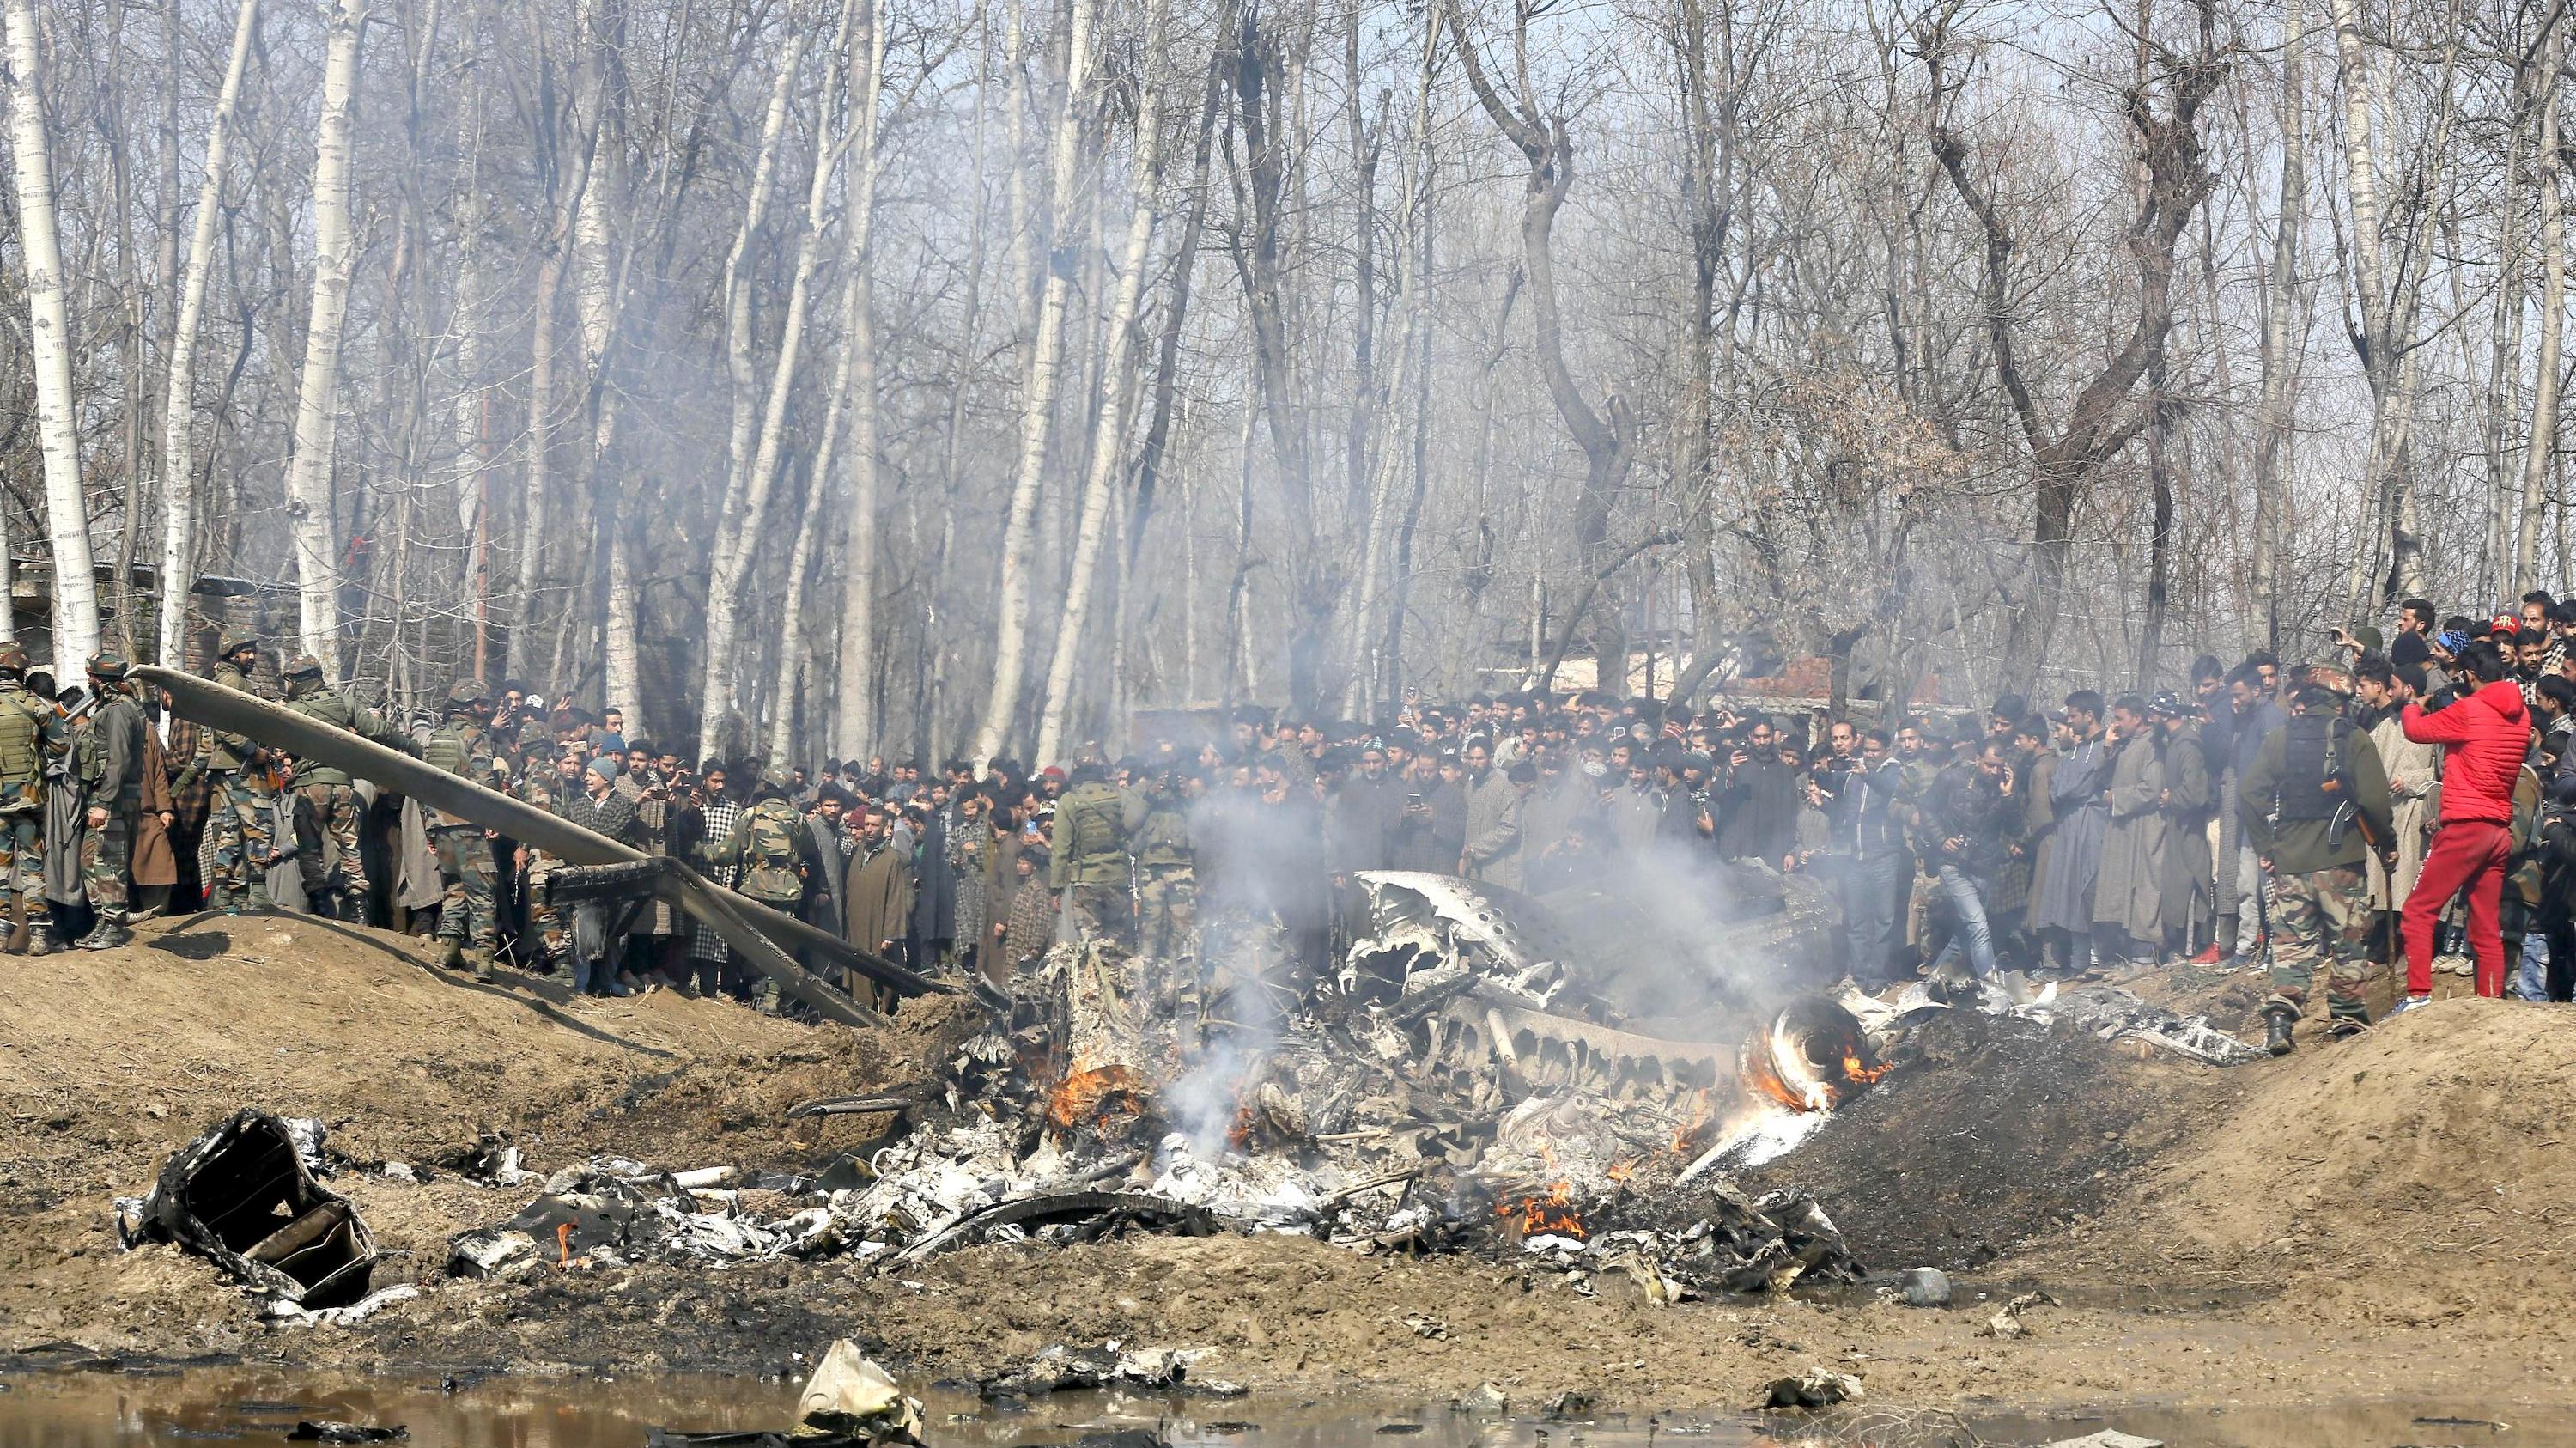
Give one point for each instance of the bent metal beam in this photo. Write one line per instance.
(764, 936)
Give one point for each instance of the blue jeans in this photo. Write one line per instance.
(1968, 903)
(2531, 983)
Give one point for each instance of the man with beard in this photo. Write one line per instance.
(2128, 893)
(1758, 800)
(2079, 798)
(1492, 851)
(877, 893)
(824, 903)
(2188, 799)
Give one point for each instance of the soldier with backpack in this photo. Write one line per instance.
(329, 794)
(2314, 805)
(30, 731)
(468, 923)
(107, 760)
(775, 853)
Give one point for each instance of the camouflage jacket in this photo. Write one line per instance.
(774, 849)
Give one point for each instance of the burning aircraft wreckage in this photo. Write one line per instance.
(1466, 1082)
(1571, 1083)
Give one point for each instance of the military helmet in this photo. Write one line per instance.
(235, 643)
(466, 693)
(13, 660)
(303, 666)
(778, 779)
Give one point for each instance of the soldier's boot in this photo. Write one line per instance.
(451, 954)
(106, 935)
(764, 997)
(2277, 1024)
(484, 970)
(40, 936)
(16, 944)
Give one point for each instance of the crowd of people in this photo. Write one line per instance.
(2413, 797)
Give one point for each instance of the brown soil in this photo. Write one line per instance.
(2363, 1220)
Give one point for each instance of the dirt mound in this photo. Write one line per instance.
(2416, 1175)
(110, 1060)
(1989, 1133)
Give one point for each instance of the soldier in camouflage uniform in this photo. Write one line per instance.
(1091, 869)
(776, 853)
(30, 731)
(548, 785)
(108, 761)
(466, 919)
(2312, 803)
(1166, 885)
(222, 757)
(329, 793)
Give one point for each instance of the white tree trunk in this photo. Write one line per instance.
(1110, 449)
(2280, 368)
(739, 363)
(791, 638)
(791, 646)
(854, 723)
(748, 508)
(594, 301)
(1037, 408)
(178, 444)
(75, 610)
(317, 394)
(2553, 302)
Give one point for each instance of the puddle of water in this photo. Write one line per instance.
(250, 1405)
(2352, 1425)
(260, 1406)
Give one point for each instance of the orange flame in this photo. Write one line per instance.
(1103, 1097)
(563, 1244)
(1858, 1073)
(1531, 1216)
(1693, 1136)
(1622, 1170)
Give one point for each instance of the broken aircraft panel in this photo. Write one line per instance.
(242, 1196)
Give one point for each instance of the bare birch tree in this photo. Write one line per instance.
(75, 593)
(310, 500)
(1037, 403)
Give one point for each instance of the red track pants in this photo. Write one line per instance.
(2467, 853)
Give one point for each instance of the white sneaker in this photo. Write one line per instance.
(2412, 1002)
(2455, 965)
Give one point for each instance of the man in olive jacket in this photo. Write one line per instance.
(2314, 806)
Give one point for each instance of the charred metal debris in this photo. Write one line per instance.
(1473, 1078)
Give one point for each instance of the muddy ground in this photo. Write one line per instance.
(2387, 1217)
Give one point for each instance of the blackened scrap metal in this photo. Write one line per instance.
(607, 882)
(877, 1104)
(1160, 1213)
(752, 928)
(241, 1196)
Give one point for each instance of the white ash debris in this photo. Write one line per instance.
(2108, 1012)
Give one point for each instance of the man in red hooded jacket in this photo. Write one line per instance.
(2484, 738)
